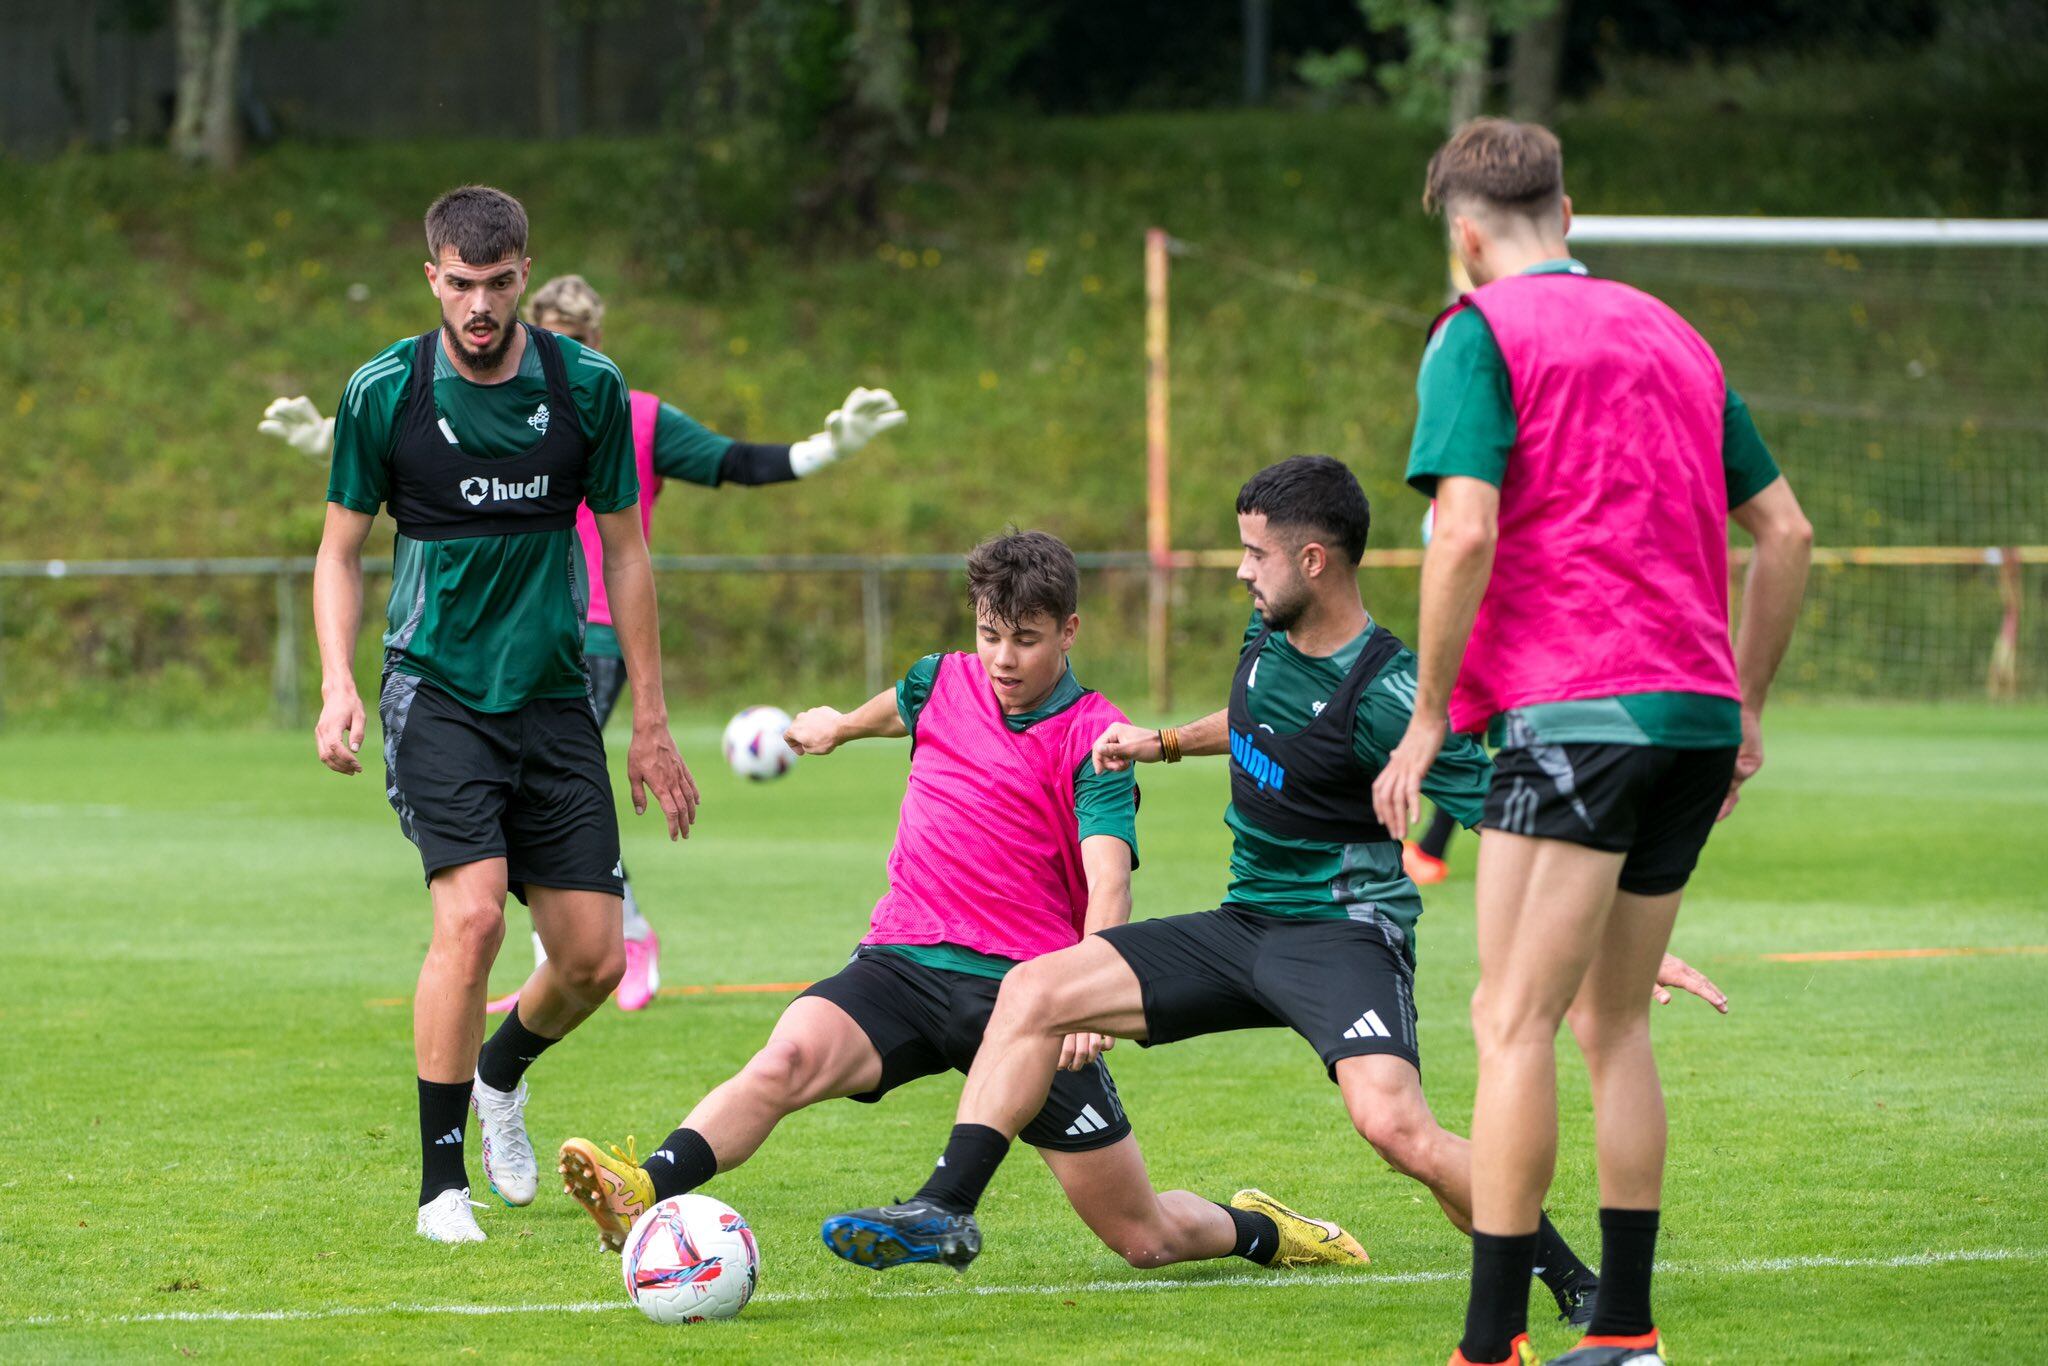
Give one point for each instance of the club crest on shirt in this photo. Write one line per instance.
(539, 420)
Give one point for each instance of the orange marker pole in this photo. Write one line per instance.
(1158, 458)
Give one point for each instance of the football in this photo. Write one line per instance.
(754, 747)
(690, 1259)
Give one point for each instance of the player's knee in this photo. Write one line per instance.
(1027, 1001)
(1601, 1031)
(781, 1069)
(1402, 1139)
(1141, 1245)
(1505, 1019)
(592, 974)
(470, 931)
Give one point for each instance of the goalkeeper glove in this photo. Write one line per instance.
(297, 423)
(866, 414)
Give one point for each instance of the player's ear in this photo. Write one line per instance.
(1565, 207)
(1067, 630)
(433, 279)
(1314, 558)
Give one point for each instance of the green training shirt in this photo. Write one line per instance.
(684, 449)
(1104, 803)
(1465, 425)
(494, 621)
(1281, 875)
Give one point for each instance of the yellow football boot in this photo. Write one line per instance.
(1303, 1241)
(615, 1189)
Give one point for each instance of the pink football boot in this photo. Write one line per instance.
(643, 972)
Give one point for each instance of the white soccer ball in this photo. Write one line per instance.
(754, 747)
(689, 1259)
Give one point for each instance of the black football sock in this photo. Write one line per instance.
(1258, 1237)
(972, 1155)
(1556, 1264)
(1438, 837)
(509, 1052)
(1498, 1311)
(682, 1163)
(444, 1114)
(1628, 1248)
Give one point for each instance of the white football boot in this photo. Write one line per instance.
(508, 1155)
(447, 1218)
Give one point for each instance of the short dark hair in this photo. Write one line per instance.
(1311, 493)
(1517, 167)
(1021, 573)
(482, 224)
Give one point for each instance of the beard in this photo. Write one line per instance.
(487, 359)
(1282, 613)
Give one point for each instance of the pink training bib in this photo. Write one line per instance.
(988, 851)
(1611, 574)
(644, 407)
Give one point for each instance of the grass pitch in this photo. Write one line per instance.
(208, 1144)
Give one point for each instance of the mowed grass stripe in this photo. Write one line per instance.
(1295, 1280)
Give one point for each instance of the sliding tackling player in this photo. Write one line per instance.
(1011, 844)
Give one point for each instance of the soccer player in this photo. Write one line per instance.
(1317, 932)
(1585, 454)
(667, 444)
(1010, 844)
(481, 437)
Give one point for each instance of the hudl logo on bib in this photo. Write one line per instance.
(476, 489)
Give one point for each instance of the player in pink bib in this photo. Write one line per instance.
(1009, 845)
(1586, 455)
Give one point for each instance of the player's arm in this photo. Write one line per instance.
(337, 615)
(652, 760)
(1124, 744)
(1454, 574)
(821, 730)
(686, 449)
(1771, 593)
(1106, 862)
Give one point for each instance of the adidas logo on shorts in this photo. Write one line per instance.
(1368, 1026)
(1089, 1122)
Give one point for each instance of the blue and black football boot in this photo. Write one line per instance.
(892, 1235)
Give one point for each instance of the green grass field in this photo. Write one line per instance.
(207, 1147)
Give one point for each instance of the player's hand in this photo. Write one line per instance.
(297, 423)
(653, 763)
(1676, 972)
(1748, 759)
(813, 732)
(865, 415)
(1079, 1050)
(1397, 792)
(1124, 744)
(338, 735)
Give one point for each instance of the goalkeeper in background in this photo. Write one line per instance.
(668, 444)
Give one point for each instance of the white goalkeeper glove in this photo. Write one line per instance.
(865, 415)
(297, 423)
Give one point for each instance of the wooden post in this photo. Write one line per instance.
(1158, 524)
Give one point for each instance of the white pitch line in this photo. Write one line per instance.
(1248, 1281)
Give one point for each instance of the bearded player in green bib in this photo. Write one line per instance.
(492, 755)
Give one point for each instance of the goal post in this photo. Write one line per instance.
(1898, 370)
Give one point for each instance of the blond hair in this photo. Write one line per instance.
(569, 298)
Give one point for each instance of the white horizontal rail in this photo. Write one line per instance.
(1673, 230)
